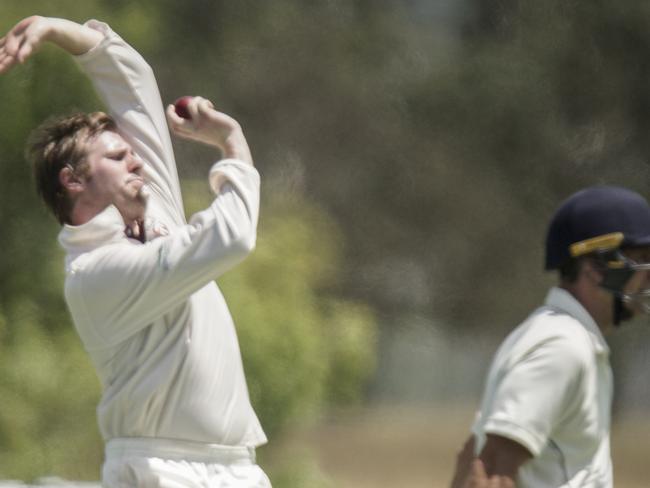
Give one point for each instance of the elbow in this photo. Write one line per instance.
(246, 246)
(230, 233)
(243, 243)
(245, 234)
(237, 217)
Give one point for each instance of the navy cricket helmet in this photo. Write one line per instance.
(597, 219)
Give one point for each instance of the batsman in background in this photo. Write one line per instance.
(544, 419)
(175, 409)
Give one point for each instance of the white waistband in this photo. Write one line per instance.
(179, 450)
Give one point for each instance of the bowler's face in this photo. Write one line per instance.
(115, 175)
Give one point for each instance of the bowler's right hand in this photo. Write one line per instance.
(210, 127)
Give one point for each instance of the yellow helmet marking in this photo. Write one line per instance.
(598, 243)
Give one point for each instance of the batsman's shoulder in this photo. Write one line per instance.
(559, 332)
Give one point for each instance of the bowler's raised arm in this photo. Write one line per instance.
(28, 35)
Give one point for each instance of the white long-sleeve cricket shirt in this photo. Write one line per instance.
(150, 315)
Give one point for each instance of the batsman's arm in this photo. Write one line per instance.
(464, 461)
(478, 478)
(28, 35)
(496, 467)
(531, 398)
(503, 457)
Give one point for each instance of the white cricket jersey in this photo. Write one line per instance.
(550, 389)
(150, 315)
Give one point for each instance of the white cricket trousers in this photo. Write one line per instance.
(163, 463)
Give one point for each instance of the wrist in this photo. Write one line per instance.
(75, 38)
(235, 146)
(44, 29)
(53, 31)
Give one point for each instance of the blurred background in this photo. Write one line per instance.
(411, 154)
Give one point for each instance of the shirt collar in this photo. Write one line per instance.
(104, 228)
(561, 299)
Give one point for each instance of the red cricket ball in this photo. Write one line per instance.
(180, 106)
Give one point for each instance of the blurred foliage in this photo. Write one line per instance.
(303, 349)
(49, 392)
(434, 139)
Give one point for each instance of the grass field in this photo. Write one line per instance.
(415, 448)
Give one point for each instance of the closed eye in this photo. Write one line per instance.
(118, 155)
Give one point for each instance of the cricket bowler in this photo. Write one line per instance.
(175, 409)
(545, 415)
